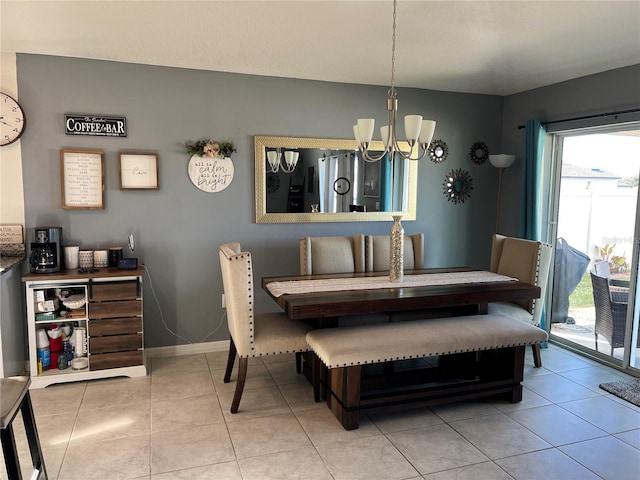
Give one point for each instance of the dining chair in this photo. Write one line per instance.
(319, 255)
(253, 334)
(528, 261)
(377, 252)
(326, 255)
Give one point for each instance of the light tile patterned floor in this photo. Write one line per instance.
(175, 424)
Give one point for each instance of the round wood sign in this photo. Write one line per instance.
(210, 174)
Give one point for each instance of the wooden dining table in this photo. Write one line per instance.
(468, 298)
(322, 299)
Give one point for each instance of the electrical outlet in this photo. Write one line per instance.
(223, 305)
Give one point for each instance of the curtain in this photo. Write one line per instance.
(386, 184)
(530, 218)
(531, 196)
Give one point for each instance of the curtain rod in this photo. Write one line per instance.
(586, 117)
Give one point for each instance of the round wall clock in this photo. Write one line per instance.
(342, 185)
(479, 153)
(211, 174)
(12, 120)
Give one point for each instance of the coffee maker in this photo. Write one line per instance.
(46, 250)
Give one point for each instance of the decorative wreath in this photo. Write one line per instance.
(457, 186)
(479, 153)
(209, 148)
(438, 151)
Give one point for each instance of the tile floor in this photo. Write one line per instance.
(175, 424)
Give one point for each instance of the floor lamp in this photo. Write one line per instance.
(501, 162)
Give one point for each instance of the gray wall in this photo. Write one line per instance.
(179, 228)
(605, 92)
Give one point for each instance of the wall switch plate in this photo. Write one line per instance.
(223, 305)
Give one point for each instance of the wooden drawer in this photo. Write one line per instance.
(122, 308)
(115, 343)
(114, 290)
(114, 360)
(115, 326)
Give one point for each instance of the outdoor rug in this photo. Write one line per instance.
(628, 390)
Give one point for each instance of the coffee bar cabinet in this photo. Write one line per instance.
(101, 315)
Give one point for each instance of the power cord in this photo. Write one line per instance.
(165, 323)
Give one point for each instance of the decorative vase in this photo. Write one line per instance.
(396, 251)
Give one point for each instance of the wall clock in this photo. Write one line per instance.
(342, 185)
(12, 120)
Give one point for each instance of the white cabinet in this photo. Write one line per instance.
(103, 310)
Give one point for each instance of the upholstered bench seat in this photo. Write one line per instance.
(498, 368)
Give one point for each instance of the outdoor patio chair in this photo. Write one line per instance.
(611, 314)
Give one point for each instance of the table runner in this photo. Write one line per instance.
(368, 283)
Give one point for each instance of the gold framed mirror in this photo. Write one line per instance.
(330, 182)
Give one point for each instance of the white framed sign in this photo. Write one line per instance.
(139, 171)
(82, 178)
(210, 174)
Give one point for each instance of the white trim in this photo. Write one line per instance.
(193, 348)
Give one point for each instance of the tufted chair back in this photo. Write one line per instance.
(377, 252)
(529, 262)
(237, 279)
(319, 255)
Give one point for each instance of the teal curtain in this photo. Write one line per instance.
(531, 196)
(386, 184)
(530, 218)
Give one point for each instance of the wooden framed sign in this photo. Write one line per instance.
(82, 177)
(139, 171)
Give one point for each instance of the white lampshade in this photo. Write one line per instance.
(274, 162)
(291, 159)
(502, 160)
(365, 129)
(412, 125)
(427, 131)
(356, 135)
(384, 134)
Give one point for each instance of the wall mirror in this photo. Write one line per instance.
(330, 182)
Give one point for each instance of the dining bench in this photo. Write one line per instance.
(434, 361)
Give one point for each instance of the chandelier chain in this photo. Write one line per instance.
(393, 53)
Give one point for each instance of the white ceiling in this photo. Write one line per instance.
(490, 47)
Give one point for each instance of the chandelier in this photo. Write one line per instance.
(274, 157)
(417, 130)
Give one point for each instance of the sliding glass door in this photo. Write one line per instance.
(594, 307)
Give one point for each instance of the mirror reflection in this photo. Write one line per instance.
(325, 180)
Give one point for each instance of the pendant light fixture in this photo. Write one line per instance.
(274, 157)
(417, 130)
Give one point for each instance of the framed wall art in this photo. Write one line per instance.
(82, 179)
(139, 171)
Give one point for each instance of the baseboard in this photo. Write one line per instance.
(190, 349)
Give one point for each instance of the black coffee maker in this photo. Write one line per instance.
(46, 250)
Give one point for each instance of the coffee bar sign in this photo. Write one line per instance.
(95, 125)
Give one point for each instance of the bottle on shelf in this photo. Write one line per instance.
(44, 354)
(55, 344)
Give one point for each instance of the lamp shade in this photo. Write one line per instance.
(502, 160)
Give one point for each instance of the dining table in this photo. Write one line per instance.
(321, 298)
